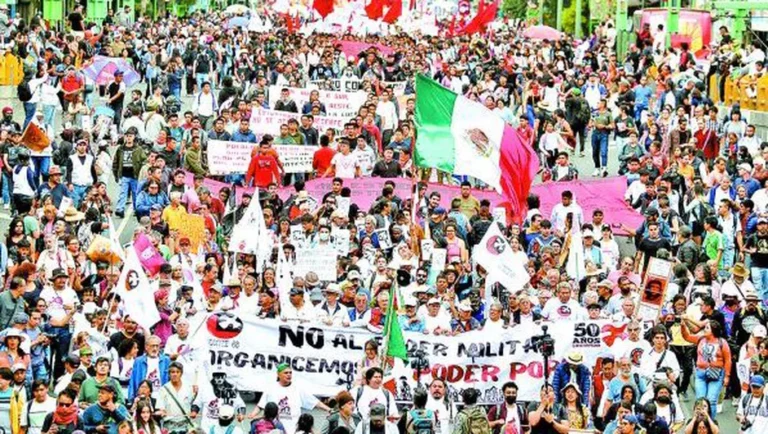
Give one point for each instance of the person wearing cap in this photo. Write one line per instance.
(152, 366)
(89, 391)
(288, 393)
(751, 408)
(330, 312)
(745, 179)
(71, 364)
(53, 186)
(298, 309)
(126, 165)
(60, 300)
(464, 322)
(104, 416)
(410, 320)
(116, 96)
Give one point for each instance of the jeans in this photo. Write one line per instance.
(62, 338)
(235, 179)
(29, 112)
(49, 115)
(39, 372)
(600, 149)
(760, 279)
(200, 78)
(175, 91)
(7, 187)
(128, 186)
(41, 165)
(709, 389)
(78, 194)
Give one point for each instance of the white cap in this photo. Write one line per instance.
(587, 233)
(434, 300)
(759, 331)
(465, 306)
(410, 301)
(226, 412)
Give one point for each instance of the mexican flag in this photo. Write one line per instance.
(463, 137)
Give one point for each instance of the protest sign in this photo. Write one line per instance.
(225, 158)
(439, 256)
(354, 85)
(427, 245)
(193, 227)
(325, 359)
(268, 121)
(654, 288)
(340, 239)
(500, 215)
(35, 138)
(321, 260)
(297, 236)
(384, 241)
(342, 204)
(341, 104)
(64, 205)
(149, 257)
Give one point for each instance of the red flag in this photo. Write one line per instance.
(480, 7)
(519, 166)
(323, 7)
(482, 19)
(452, 27)
(375, 9)
(394, 12)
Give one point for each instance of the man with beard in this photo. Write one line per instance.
(152, 366)
(667, 406)
(130, 331)
(738, 285)
(290, 398)
(443, 406)
(746, 318)
(509, 413)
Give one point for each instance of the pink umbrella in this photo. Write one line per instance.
(542, 32)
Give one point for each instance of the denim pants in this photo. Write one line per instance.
(200, 79)
(78, 194)
(600, 149)
(7, 187)
(62, 337)
(709, 389)
(128, 186)
(29, 112)
(760, 279)
(49, 115)
(41, 166)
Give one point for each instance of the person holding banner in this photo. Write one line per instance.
(289, 397)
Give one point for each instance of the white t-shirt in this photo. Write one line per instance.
(513, 418)
(372, 396)
(556, 310)
(57, 300)
(443, 414)
(153, 374)
(33, 416)
(345, 165)
(632, 350)
(290, 400)
(756, 411)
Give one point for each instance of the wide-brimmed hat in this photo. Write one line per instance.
(72, 215)
(739, 270)
(574, 357)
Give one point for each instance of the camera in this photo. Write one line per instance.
(543, 343)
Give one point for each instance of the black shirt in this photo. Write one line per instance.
(117, 338)
(760, 243)
(716, 316)
(76, 21)
(650, 247)
(544, 427)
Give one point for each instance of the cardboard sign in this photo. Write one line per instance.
(384, 241)
(225, 158)
(268, 121)
(500, 215)
(344, 104)
(193, 227)
(35, 138)
(426, 249)
(654, 288)
(64, 205)
(297, 236)
(439, 256)
(342, 204)
(340, 238)
(321, 260)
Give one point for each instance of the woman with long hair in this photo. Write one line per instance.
(713, 362)
(701, 422)
(578, 413)
(122, 366)
(143, 420)
(370, 360)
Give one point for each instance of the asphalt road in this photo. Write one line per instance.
(125, 228)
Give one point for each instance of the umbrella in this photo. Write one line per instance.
(236, 9)
(542, 32)
(238, 22)
(103, 69)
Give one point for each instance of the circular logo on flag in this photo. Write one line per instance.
(224, 325)
(131, 280)
(496, 245)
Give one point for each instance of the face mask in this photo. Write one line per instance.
(324, 237)
(732, 302)
(510, 399)
(225, 422)
(664, 399)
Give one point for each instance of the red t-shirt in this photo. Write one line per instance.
(322, 160)
(68, 84)
(263, 170)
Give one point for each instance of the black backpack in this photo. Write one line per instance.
(23, 92)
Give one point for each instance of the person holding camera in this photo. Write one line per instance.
(546, 416)
(753, 408)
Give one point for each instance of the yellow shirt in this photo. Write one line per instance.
(469, 206)
(174, 216)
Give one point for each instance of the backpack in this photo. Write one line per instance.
(421, 422)
(23, 91)
(262, 426)
(583, 112)
(474, 421)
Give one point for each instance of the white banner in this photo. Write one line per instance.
(325, 359)
(321, 260)
(225, 158)
(355, 85)
(268, 122)
(339, 104)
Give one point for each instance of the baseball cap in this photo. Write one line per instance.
(378, 412)
(757, 380)
(434, 300)
(18, 367)
(108, 388)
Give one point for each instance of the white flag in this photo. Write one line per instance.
(114, 239)
(136, 292)
(495, 255)
(250, 235)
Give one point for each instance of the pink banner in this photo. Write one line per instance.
(149, 257)
(353, 48)
(606, 194)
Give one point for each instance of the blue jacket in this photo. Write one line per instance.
(242, 137)
(95, 415)
(139, 373)
(750, 184)
(144, 202)
(562, 377)
(713, 190)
